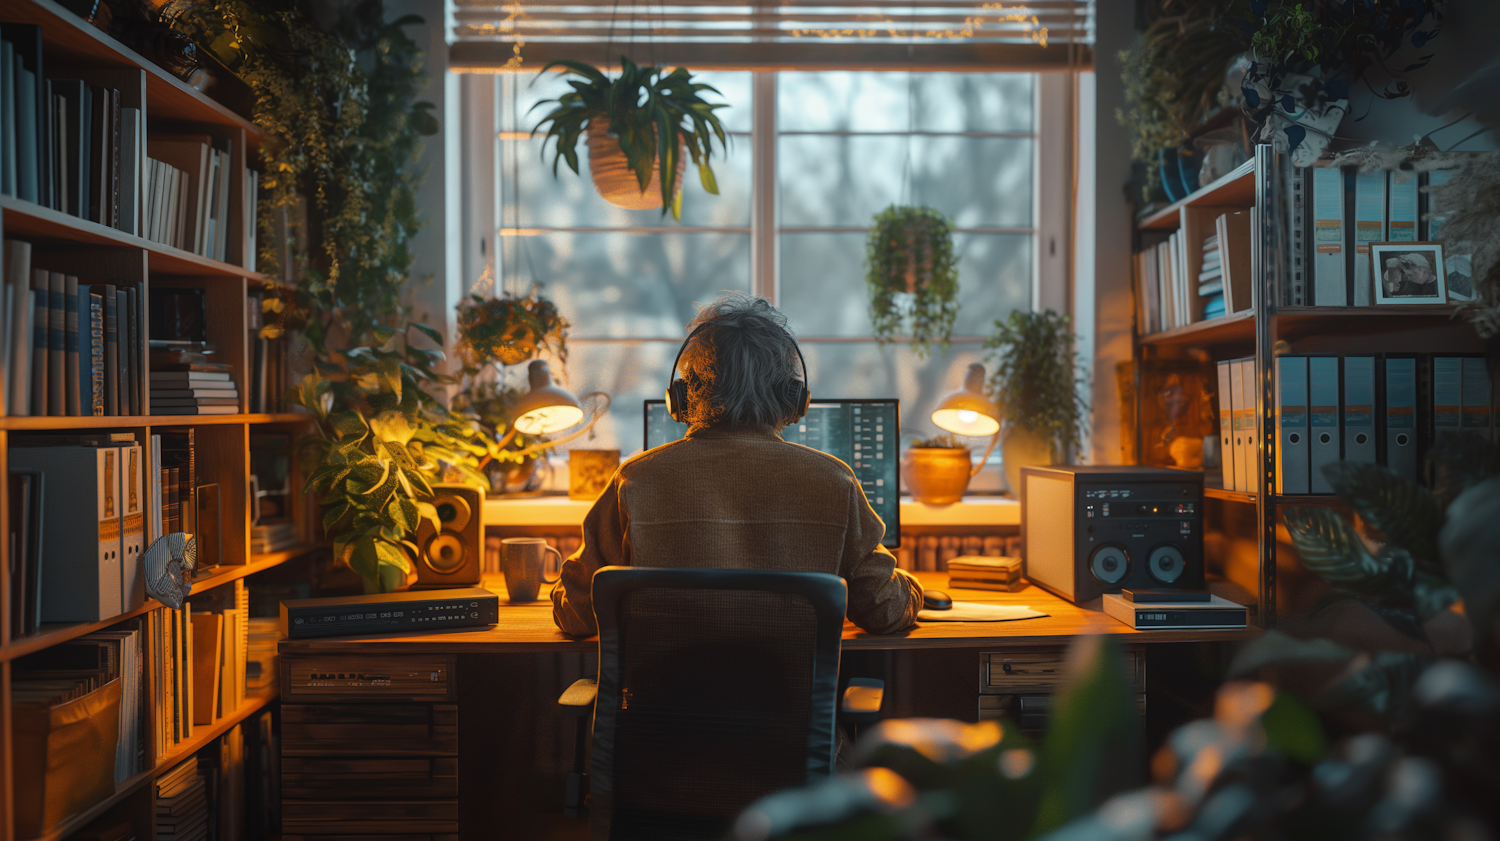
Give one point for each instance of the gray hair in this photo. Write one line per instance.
(738, 369)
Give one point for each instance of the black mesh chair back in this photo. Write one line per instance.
(716, 687)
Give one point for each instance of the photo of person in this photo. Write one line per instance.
(1408, 273)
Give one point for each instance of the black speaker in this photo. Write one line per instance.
(1091, 530)
(452, 556)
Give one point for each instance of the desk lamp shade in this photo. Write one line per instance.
(968, 411)
(546, 408)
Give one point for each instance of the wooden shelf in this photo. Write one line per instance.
(24, 220)
(1239, 327)
(139, 421)
(1214, 492)
(67, 35)
(1236, 189)
(51, 635)
(202, 735)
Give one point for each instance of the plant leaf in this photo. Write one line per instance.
(1294, 730)
(1382, 685)
(1399, 508)
(392, 427)
(1329, 548)
(1274, 648)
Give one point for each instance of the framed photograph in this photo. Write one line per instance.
(1408, 273)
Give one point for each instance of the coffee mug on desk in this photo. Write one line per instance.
(524, 561)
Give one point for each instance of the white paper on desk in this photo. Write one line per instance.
(979, 612)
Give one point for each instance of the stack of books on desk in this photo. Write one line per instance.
(973, 572)
(200, 388)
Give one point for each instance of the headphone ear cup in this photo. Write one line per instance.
(798, 397)
(677, 400)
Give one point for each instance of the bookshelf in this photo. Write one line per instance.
(1246, 543)
(72, 244)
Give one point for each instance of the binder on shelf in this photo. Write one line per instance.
(1250, 450)
(132, 527)
(1402, 205)
(1359, 409)
(1323, 420)
(80, 568)
(1399, 419)
(1236, 450)
(1369, 226)
(1447, 395)
(1328, 278)
(1478, 418)
(1226, 426)
(1291, 425)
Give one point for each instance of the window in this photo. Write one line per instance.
(847, 144)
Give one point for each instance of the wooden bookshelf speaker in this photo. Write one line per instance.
(453, 555)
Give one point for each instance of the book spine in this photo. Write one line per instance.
(132, 356)
(96, 354)
(70, 327)
(57, 346)
(41, 295)
(111, 353)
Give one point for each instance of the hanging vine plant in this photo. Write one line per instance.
(912, 274)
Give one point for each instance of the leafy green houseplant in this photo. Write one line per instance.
(1036, 385)
(639, 124)
(911, 273)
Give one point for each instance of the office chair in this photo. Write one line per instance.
(716, 687)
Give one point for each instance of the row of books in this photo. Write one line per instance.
(199, 661)
(79, 348)
(83, 508)
(1385, 409)
(75, 141)
(1199, 272)
(1336, 217)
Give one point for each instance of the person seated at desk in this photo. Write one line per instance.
(732, 494)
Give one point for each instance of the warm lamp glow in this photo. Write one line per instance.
(546, 407)
(968, 411)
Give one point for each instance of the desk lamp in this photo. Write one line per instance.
(549, 408)
(969, 412)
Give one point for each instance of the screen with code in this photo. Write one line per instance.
(864, 434)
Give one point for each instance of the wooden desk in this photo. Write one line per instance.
(483, 750)
(528, 628)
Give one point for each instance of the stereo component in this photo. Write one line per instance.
(385, 613)
(1091, 530)
(451, 556)
(1217, 612)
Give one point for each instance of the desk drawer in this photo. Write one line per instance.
(369, 729)
(367, 779)
(1043, 671)
(367, 818)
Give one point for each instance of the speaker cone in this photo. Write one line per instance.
(1109, 564)
(445, 553)
(1166, 564)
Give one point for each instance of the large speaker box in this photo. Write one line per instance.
(1091, 530)
(452, 556)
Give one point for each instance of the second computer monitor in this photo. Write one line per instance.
(864, 434)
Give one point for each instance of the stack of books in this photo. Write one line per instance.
(272, 537)
(260, 670)
(972, 572)
(183, 386)
(1211, 278)
(182, 803)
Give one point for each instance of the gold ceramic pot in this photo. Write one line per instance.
(613, 177)
(936, 476)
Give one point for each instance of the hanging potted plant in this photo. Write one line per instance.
(1036, 389)
(639, 124)
(912, 275)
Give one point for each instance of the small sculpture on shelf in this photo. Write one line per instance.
(168, 562)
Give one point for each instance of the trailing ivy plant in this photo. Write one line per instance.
(1035, 383)
(652, 111)
(509, 329)
(911, 272)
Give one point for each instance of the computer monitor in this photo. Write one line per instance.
(864, 434)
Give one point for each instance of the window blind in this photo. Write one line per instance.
(492, 36)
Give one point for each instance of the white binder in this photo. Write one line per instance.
(1291, 424)
(1236, 450)
(1226, 426)
(1329, 286)
(1369, 226)
(1402, 204)
(1250, 461)
(132, 527)
(1322, 420)
(1400, 416)
(1359, 409)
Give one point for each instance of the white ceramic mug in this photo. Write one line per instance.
(524, 561)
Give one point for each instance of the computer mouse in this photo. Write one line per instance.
(936, 600)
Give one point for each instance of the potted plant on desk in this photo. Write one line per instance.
(1035, 386)
(936, 470)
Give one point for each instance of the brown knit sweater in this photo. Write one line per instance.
(722, 499)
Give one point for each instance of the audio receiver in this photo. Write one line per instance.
(385, 613)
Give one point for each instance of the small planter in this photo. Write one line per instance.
(613, 177)
(936, 476)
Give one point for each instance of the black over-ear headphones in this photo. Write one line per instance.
(677, 399)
